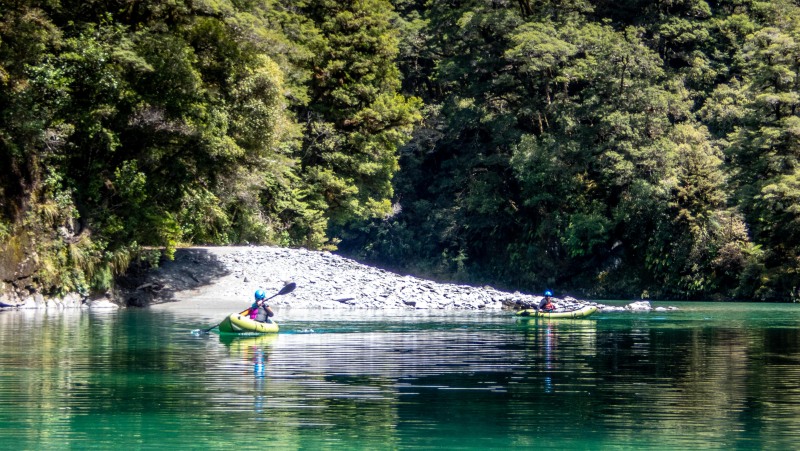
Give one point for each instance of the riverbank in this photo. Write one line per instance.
(205, 275)
(205, 278)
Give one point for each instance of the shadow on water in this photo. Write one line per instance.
(191, 269)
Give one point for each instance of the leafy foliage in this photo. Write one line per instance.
(606, 148)
(153, 124)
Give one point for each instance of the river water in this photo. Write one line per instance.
(712, 376)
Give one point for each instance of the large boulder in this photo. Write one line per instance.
(639, 306)
(103, 304)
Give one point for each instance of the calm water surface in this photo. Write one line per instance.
(712, 376)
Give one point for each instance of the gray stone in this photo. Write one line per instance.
(639, 306)
(102, 304)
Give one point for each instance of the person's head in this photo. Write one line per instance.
(260, 295)
(548, 294)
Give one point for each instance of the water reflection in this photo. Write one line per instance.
(253, 352)
(138, 379)
(559, 347)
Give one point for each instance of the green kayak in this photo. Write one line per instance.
(582, 312)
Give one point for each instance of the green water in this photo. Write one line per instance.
(712, 376)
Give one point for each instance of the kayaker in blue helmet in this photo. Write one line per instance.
(546, 304)
(260, 310)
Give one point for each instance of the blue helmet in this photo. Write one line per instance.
(260, 295)
(548, 293)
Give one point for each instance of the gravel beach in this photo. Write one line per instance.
(203, 277)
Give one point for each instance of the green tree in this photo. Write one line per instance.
(561, 148)
(764, 145)
(356, 118)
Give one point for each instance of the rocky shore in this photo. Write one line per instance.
(12, 300)
(324, 281)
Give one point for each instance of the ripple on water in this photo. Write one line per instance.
(139, 379)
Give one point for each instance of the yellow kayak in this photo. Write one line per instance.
(237, 323)
(580, 313)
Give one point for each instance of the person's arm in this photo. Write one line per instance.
(270, 313)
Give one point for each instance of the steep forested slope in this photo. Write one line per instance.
(619, 148)
(611, 148)
(153, 123)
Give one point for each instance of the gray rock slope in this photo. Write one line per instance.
(324, 280)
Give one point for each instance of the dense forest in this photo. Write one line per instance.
(606, 149)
